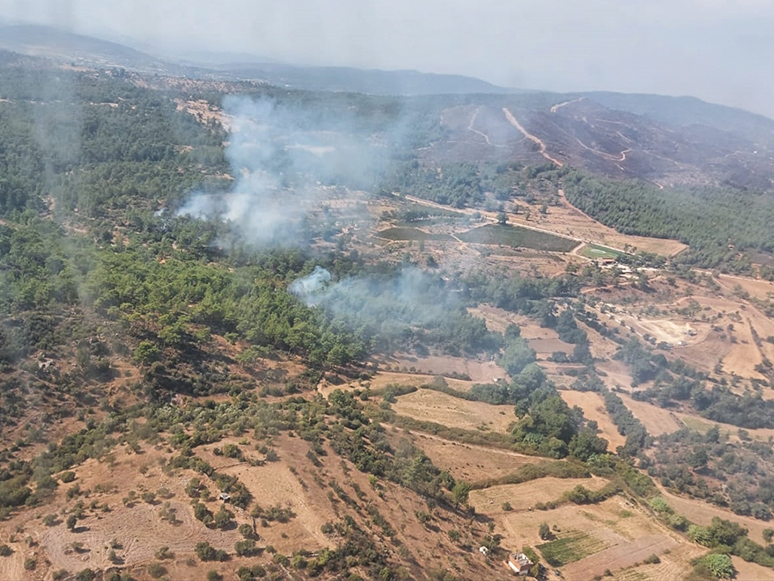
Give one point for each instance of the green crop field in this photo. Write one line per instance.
(517, 236)
(571, 548)
(596, 251)
(401, 233)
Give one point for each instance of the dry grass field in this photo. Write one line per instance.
(434, 406)
(478, 370)
(656, 420)
(702, 513)
(593, 407)
(525, 495)
(469, 462)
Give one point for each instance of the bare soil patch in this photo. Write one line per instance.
(747, 571)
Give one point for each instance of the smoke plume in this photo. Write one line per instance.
(280, 155)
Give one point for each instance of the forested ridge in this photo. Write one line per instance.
(720, 224)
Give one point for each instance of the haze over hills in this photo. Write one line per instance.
(666, 140)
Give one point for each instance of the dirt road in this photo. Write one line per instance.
(539, 142)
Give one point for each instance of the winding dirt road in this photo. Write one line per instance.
(539, 142)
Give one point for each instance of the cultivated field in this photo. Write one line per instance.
(407, 233)
(604, 535)
(434, 406)
(516, 236)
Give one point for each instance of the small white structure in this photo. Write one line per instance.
(484, 550)
(519, 563)
(224, 497)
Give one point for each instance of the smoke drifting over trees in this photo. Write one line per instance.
(280, 156)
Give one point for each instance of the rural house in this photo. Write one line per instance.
(519, 563)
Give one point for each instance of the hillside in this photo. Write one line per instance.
(253, 332)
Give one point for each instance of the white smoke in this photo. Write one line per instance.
(279, 153)
(308, 287)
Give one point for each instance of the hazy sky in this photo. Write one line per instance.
(719, 50)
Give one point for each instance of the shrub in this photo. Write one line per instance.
(545, 532)
(30, 563)
(247, 531)
(86, 575)
(719, 565)
(156, 570)
(223, 518)
(164, 553)
(67, 476)
(213, 575)
(246, 548)
(652, 560)
(5, 551)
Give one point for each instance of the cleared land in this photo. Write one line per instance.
(516, 236)
(676, 564)
(751, 571)
(434, 406)
(613, 521)
(593, 407)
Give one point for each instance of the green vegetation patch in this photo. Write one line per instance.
(571, 548)
(597, 251)
(403, 233)
(517, 236)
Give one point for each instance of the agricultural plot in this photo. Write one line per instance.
(618, 557)
(517, 236)
(656, 420)
(597, 251)
(407, 233)
(573, 546)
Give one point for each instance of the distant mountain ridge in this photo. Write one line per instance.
(665, 140)
(55, 43)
